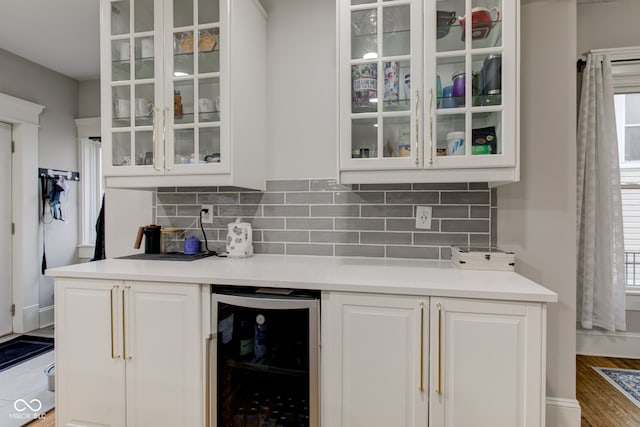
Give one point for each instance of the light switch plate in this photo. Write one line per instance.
(423, 217)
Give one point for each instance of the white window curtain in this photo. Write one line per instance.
(601, 283)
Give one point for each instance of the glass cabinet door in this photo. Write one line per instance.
(194, 85)
(469, 108)
(382, 58)
(133, 87)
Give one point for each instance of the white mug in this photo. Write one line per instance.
(205, 105)
(122, 108)
(144, 107)
(146, 48)
(124, 50)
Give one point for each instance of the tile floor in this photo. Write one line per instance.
(25, 381)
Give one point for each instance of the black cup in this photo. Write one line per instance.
(151, 239)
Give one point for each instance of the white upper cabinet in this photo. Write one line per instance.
(183, 92)
(426, 94)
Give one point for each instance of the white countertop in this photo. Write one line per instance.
(379, 275)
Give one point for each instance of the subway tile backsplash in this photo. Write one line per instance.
(321, 217)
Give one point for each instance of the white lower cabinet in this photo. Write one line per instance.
(128, 354)
(374, 360)
(481, 362)
(487, 365)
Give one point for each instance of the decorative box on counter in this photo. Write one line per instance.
(482, 258)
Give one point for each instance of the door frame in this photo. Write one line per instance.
(24, 117)
(6, 291)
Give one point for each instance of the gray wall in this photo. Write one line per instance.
(56, 148)
(623, 16)
(89, 99)
(537, 216)
(608, 25)
(320, 217)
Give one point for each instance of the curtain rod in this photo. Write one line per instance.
(581, 62)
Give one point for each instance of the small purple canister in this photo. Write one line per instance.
(459, 84)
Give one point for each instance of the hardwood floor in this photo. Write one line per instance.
(48, 421)
(602, 404)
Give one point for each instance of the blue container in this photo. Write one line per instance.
(447, 98)
(191, 245)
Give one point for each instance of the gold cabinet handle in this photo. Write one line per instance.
(124, 326)
(164, 138)
(417, 157)
(113, 355)
(430, 126)
(153, 133)
(207, 391)
(420, 382)
(439, 386)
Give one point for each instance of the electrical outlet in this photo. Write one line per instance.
(207, 217)
(423, 217)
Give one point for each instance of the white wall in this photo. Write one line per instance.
(56, 148)
(301, 89)
(537, 216)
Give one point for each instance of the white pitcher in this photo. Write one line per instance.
(239, 240)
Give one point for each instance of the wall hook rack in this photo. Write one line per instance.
(54, 173)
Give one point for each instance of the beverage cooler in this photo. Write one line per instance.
(264, 360)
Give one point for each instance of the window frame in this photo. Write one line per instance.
(625, 68)
(91, 184)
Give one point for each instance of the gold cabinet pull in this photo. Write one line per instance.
(420, 382)
(417, 157)
(124, 325)
(164, 138)
(430, 126)
(439, 386)
(153, 137)
(113, 355)
(207, 391)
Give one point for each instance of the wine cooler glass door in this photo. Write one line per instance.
(265, 360)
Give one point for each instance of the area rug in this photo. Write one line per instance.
(627, 381)
(22, 348)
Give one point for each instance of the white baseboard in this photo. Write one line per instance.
(608, 344)
(562, 412)
(30, 318)
(46, 316)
